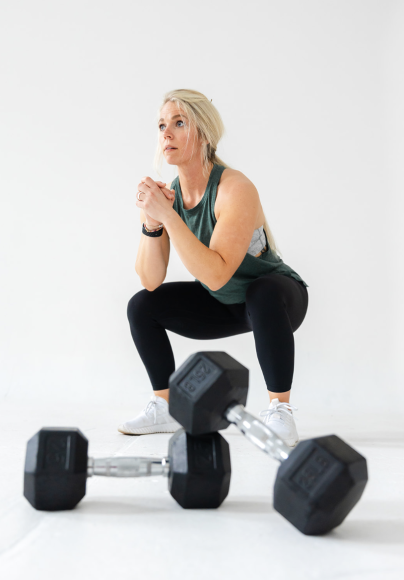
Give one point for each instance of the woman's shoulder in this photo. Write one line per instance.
(233, 175)
(225, 189)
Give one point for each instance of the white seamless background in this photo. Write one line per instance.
(311, 97)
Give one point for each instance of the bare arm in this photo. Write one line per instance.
(205, 264)
(152, 257)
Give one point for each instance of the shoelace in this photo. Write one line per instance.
(150, 404)
(279, 408)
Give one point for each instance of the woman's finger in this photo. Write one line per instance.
(168, 192)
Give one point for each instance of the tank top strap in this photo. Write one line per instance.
(215, 176)
(217, 171)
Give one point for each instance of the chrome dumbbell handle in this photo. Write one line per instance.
(257, 432)
(127, 466)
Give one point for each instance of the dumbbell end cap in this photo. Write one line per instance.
(55, 471)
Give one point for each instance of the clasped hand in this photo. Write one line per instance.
(157, 201)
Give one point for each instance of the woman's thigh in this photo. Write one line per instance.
(188, 309)
(277, 293)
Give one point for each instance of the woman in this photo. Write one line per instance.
(214, 218)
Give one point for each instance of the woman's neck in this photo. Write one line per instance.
(193, 182)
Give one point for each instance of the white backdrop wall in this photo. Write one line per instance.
(311, 96)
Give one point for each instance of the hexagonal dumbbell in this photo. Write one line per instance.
(57, 467)
(319, 481)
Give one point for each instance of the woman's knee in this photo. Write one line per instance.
(137, 303)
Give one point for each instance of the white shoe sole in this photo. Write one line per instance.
(165, 428)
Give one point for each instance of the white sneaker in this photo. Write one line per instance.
(153, 419)
(279, 418)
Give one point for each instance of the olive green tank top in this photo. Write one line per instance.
(201, 221)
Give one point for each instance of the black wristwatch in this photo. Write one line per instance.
(155, 234)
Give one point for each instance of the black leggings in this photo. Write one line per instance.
(274, 309)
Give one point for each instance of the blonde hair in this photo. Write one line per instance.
(208, 125)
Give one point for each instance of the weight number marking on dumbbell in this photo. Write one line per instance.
(312, 472)
(199, 375)
(57, 452)
(205, 456)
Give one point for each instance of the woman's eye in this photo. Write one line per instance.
(162, 125)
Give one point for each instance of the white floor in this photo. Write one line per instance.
(133, 528)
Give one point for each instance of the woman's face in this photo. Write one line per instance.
(175, 131)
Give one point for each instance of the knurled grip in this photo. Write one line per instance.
(127, 466)
(257, 432)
